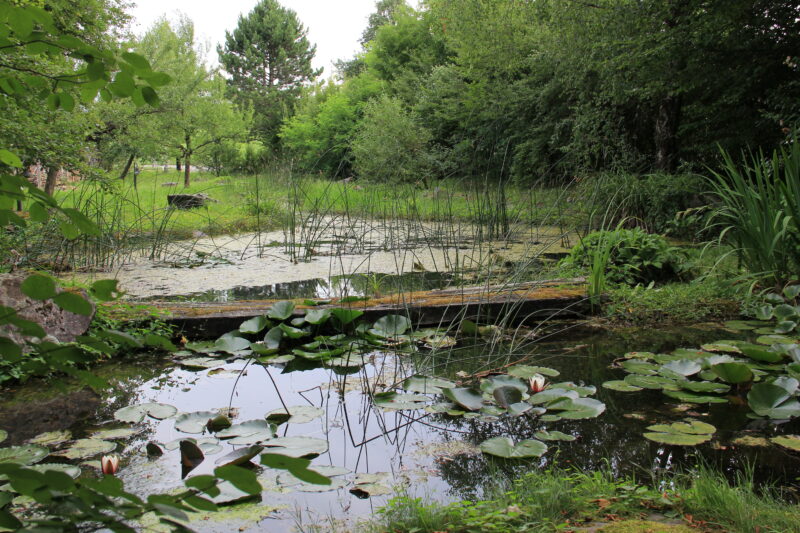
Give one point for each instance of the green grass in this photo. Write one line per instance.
(555, 500)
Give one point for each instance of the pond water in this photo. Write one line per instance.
(330, 258)
(431, 455)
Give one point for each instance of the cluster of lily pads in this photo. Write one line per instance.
(521, 391)
(331, 336)
(762, 374)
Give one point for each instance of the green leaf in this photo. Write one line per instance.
(136, 61)
(468, 398)
(254, 325)
(150, 96)
(81, 221)
(394, 401)
(231, 343)
(506, 396)
(688, 433)
(426, 385)
(391, 325)
(73, 303)
(83, 448)
(38, 212)
(24, 455)
(621, 386)
(297, 446)
(242, 479)
(193, 422)
(9, 158)
(346, 316)
(733, 372)
(10, 351)
(495, 382)
(527, 372)
(159, 341)
(317, 316)
(505, 447)
(791, 442)
(123, 85)
(281, 310)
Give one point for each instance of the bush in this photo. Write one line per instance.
(390, 146)
(651, 201)
(635, 256)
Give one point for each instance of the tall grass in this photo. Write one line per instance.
(758, 211)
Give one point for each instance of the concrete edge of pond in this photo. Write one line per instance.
(510, 304)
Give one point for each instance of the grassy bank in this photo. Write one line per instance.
(555, 500)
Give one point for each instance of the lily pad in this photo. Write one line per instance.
(51, 438)
(193, 422)
(298, 414)
(466, 397)
(281, 310)
(247, 429)
(505, 396)
(527, 372)
(682, 367)
(27, 454)
(705, 386)
(553, 435)
(773, 401)
(367, 490)
(551, 395)
(652, 382)
(241, 456)
(622, 386)
(426, 385)
(226, 373)
(136, 413)
(391, 326)
(788, 441)
(395, 401)
(71, 470)
(297, 446)
(199, 363)
(689, 433)
(636, 366)
(231, 343)
(254, 325)
(505, 447)
(691, 397)
(495, 382)
(118, 433)
(578, 409)
(3, 435)
(733, 372)
(84, 448)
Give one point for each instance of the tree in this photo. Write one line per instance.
(268, 59)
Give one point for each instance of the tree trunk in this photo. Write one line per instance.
(187, 163)
(178, 164)
(52, 178)
(127, 167)
(666, 133)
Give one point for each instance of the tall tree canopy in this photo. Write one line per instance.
(268, 58)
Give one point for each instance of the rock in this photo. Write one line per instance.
(57, 323)
(169, 184)
(187, 201)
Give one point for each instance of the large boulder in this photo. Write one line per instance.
(56, 322)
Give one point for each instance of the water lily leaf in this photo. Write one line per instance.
(505, 396)
(199, 362)
(317, 316)
(550, 418)
(298, 414)
(297, 446)
(346, 316)
(238, 457)
(683, 367)
(366, 490)
(622, 386)
(652, 382)
(26, 454)
(527, 372)
(226, 373)
(320, 355)
(119, 433)
(231, 343)
(505, 447)
(743, 325)
(691, 397)
(635, 366)
(793, 369)
(391, 326)
(489, 385)
(293, 333)
(426, 385)
(553, 435)
(350, 360)
(194, 422)
(51, 438)
(71, 470)
(519, 408)
(576, 409)
(254, 325)
(769, 340)
(3, 435)
(705, 386)
(247, 429)
(785, 326)
(83, 448)
(788, 441)
(281, 310)
(395, 401)
(153, 450)
(688, 433)
(277, 359)
(230, 494)
(438, 342)
(136, 413)
(708, 362)
(466, 397)
(733, 372)
(759, 353)
(582, 390)
(191, 455)
(551, 395)
(721, 347)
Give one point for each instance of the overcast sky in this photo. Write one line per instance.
(333, 25)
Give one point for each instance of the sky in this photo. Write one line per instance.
(333, 25)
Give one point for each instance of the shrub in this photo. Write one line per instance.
(651, 201)
(633, 256)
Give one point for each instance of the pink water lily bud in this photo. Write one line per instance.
(537, 383)
(109, 464)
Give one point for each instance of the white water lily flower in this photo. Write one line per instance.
(109, 464)
(537, 383)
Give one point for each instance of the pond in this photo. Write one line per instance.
(372, 449)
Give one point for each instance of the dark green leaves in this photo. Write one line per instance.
(242, 479)
(39, 287)
(74, 303)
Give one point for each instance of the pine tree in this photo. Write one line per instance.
(268, 58)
